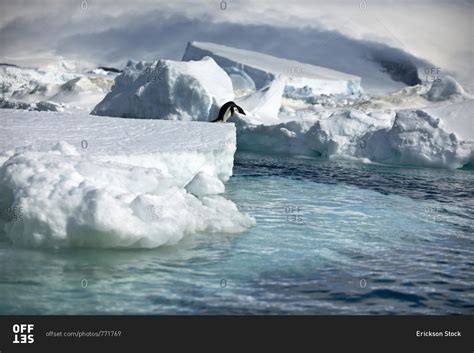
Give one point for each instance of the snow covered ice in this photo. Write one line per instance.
(419, 138)
(265, 103)
(107, 182)
(446, 88)
(264, 68)
(63, 85)
(168, 89)
(405, 137)
(304, 115)
(99, 181)
(236, 157)
(420, 126)
(15, 78)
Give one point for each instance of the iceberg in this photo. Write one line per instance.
(437, 136)
(83, 92)
(424, 125)
(15, 78)
(421, 138)
(168, 89)
(264, 68)
(113, 183)
(323, 134)
(265, 103)
(241, 82)
(446, 88)
(30, 88)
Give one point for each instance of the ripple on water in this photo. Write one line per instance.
(331, 238)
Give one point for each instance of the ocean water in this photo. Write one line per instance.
(331, 238)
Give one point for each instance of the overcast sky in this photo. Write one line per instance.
(108, 32)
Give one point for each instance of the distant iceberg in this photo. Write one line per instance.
(263, 69)
(55, 85)
(446, 88)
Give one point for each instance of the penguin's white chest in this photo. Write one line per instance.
(228, 113)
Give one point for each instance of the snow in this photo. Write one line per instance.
(264, 68)
(446, 88)
(418, 138)
(407, 97)
(204, 184)
(439, 136)
(409, 127)
(57, 84)
(265, 103)
(241, 81)
(83, 181)
(282, 116)
(15, 78)
(455, 117)
(168, 89)
(83, 92)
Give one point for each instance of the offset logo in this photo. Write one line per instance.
(23, 333)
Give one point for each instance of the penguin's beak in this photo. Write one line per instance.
(241, 111)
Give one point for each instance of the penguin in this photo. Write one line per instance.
(226, 112)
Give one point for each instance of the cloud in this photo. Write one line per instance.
(109, 32)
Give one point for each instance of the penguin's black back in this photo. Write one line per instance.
(225, 108)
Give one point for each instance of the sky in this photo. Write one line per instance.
(109, 32)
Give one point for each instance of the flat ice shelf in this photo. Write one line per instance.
(76, 180)
(124, 140)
